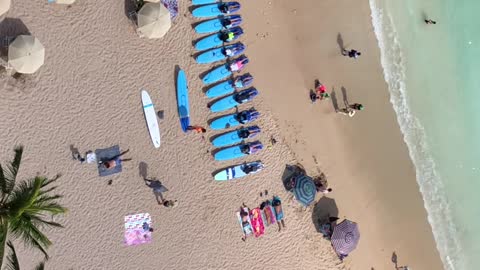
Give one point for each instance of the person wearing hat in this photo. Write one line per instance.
(356, 106)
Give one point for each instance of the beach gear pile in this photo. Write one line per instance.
(227, 91)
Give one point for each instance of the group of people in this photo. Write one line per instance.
(321, 93)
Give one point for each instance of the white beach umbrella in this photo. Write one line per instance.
(4, 6)
(65, 2)
(26, 54)
(153, 20)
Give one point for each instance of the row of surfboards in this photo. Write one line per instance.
(217, 47)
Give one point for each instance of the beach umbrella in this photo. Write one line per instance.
(345, 237)
(153, 20)
(152, 1)
(4, 6)
(304, 189)
(26, 54)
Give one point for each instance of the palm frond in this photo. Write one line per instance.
(12, 259)
(40, 222)
(3, 238)
(8, 176)
(30, 235)
(13, 167)
(23, 196)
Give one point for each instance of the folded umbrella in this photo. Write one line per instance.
(153, 20)
(26, 54)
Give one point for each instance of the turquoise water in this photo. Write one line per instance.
(432, 74)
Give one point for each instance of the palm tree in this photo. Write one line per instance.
(24, 207)
(12, 260)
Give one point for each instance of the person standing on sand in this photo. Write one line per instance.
(352, 53)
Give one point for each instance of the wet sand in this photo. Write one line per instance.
(364, 158)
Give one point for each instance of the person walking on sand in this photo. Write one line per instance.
(197, 129)
(346, 111)
(351, 109)
(356, 106)
(352, 53)
(429, 21)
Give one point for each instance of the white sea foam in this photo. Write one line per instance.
(431, 187)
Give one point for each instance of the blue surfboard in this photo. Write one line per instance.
(218, 24)
(229, 86)
(220, 89)
(217, 74)
(213, 10)
(182, 100)
(231, 153)
(202, 2)
(239, 171)
(219, 54)
(234, 100)
(235, 136)
(236, 151)
(233, 120)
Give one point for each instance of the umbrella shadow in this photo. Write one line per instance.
(131, 7)
(289, 172)
(10, 28)
(323, 209)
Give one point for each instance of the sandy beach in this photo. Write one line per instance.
(87, 94)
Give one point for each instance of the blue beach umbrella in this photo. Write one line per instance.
(345, 237)
(304, 190)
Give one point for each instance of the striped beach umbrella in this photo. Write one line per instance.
(304, 190)
(345, 237)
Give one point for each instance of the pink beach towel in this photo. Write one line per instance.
(135, 234)
(257, 222)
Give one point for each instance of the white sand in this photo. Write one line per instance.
(88, 94)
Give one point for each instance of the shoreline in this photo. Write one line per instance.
(314, 42)
(83, 78)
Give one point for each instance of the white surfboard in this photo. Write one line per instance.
(151, 118)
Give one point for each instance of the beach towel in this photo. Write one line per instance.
(105, 155)
(247, 228)
(278, 210)
(136, 229)
(172, 6)
(269, 215)
(257, 222)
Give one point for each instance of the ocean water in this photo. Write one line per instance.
(433, 75)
